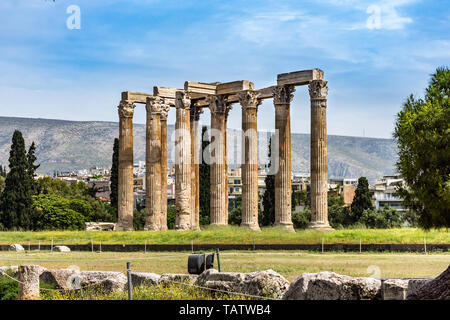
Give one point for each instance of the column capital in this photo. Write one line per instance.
(249, 99)
(196, 112)
(318, 89)
(219, 105)
(283, 94)
(164, 111)
(154, 105)
(126, 109)
(182, 100)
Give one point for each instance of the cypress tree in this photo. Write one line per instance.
(31, 169)
(268, 214)
(362, 200)
(114, 178)
(205, 182)
(16, 199)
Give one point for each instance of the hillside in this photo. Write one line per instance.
(67, 145)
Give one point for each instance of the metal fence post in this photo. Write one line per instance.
(218, 259)
(130, 284)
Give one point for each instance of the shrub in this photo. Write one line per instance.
(171, 216)
(301, 219)
(235, 216)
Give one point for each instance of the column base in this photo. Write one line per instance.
(123, 228)
(285, 225)
(151, 228)
(317, 225)
(251, 226)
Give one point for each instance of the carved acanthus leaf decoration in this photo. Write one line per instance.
(318, 89)
(283, 94)
(126, 109)
(249, 99)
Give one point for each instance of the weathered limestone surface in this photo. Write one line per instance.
(144, 278)
(318, 91)
(67, 279)
(125, 196)
(16, 247)
(163, 217)
(414, 285)
(169, 278)
(61, 249)
(436, 289)
(107, 281)
(99, 226)
(283, 189)
(219, 175)
(29, 282)
(153, 165)
(394, 289)
(332, 286)
(249, 102)
(183, 163)
(195, 170)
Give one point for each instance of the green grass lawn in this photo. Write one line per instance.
(230, 235)
(289, 264)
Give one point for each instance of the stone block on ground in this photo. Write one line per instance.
(144, 278)
(67, 279)
(107, 281)
(99, 226)
(169, 278)
(414, 285)
(267, 283)
(394, 289)
(16, 247)
(333, 286)
(61, 249)
(435, 289)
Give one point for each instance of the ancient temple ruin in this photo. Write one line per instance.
(219, 98)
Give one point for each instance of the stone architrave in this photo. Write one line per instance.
(163, 217)
(183, 162)
(249, 102)
(125, 187)
(153, 165)
(195, 170)
(219, 176)
(282, 97)
(318, 91)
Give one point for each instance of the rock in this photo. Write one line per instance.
(141, 278)
(11, 270)
(265, 284)
(67, 279)
(61, 249)
(332, 286)
(394, 289)
(107, 281)
(177, 278)
(16, 247)
(414, 285)
(99, 226)
(435, 289)
(29, 282)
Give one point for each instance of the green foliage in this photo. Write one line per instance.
(338, 215)
(2, 171)
(31, 169)
(16, 198)
(362, 200)
(171, 217)
(8, 287)
(205, 182)
(235, 216)
(139, 217)
(54, 212)
(114, 179)
(2, 184)
(422, 133)
(301, 219)
(268, 213)
(381, 219)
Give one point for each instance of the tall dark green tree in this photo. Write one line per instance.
(16, 200)
(268, 213)
(32, 167)
(204, 180)
(362, 199)
(422, 133)
(114, 179)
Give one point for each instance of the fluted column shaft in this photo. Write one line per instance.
(163, 217)
(183, 163)
(283, 189)
(195, 170)
(249, 102)
(125, 187)
(153, 165)
(218, 166)
(319, 168)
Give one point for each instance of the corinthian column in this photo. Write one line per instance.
(283, 189)
(218, 165)
(183, 162)
(125, 188)
(249, 102)
(153, 165)
(318, 91)
(195, 170)
(163, 217)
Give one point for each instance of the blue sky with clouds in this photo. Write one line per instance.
(50, 71)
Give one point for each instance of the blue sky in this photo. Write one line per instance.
(50, 71)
